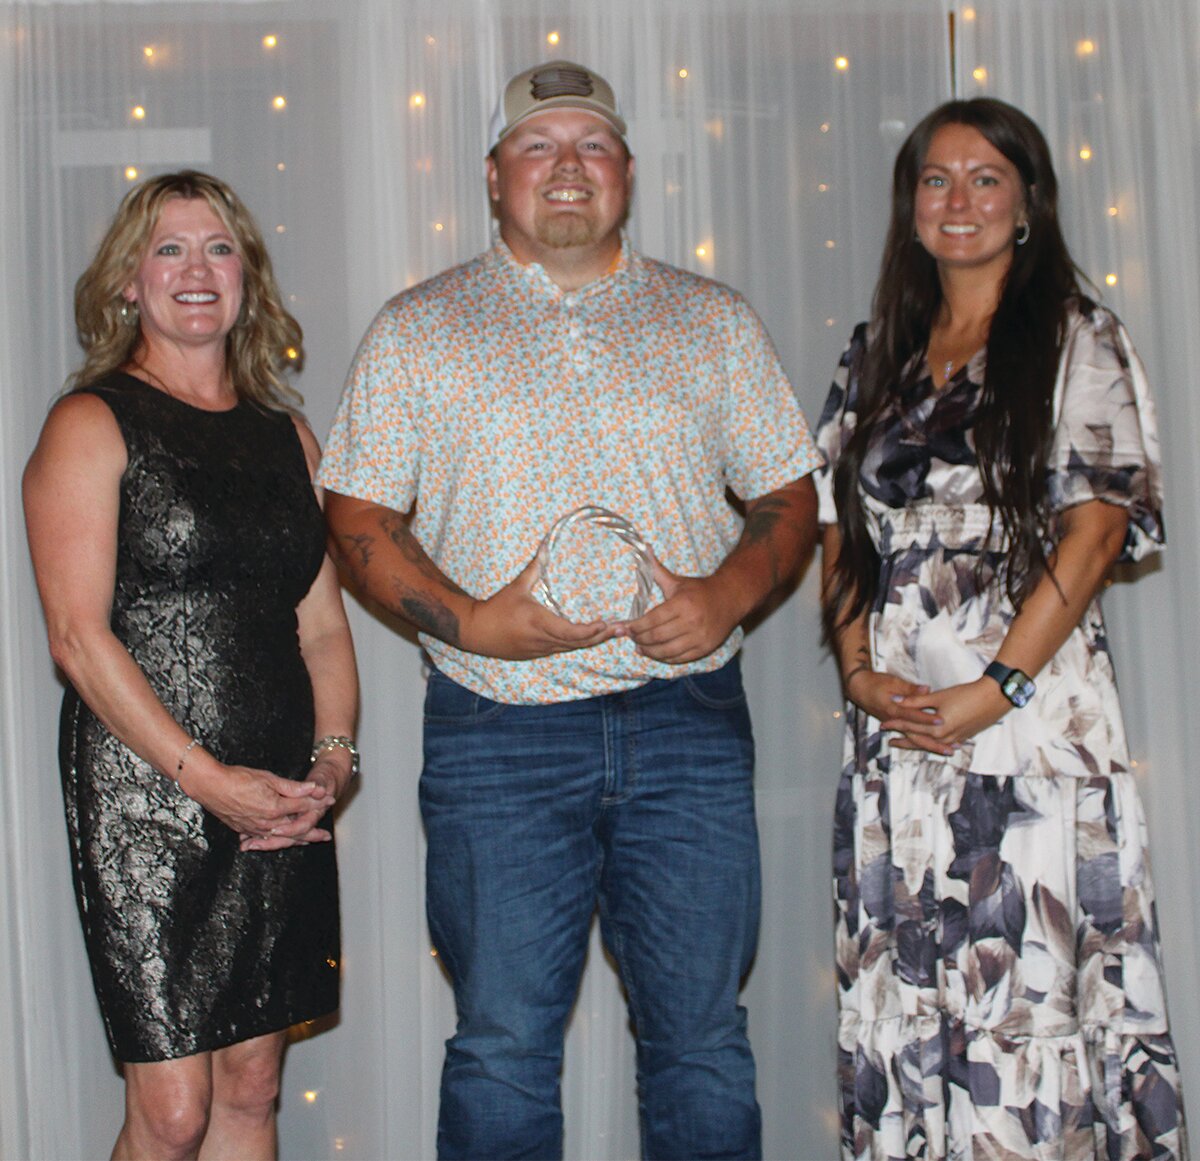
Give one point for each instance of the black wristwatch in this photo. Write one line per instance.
(1015, 684)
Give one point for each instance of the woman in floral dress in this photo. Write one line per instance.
(991, 452)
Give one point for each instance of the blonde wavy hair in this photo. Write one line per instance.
(266, 342)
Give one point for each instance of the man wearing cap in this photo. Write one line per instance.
(570, 765)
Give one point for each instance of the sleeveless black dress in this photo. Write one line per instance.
(193, 944)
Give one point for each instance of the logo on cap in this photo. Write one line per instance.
(553, 84)
(560, 82)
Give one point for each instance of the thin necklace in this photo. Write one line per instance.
(156, 381)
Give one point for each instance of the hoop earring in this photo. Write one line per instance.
(1023, 234)
(129, 313)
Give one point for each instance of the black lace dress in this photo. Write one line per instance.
(193, 944)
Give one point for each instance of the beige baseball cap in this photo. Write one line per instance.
(557, 84)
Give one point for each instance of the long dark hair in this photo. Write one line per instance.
(1013, 425)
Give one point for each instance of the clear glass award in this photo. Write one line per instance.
(593, 566)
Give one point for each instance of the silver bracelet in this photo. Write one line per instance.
(337, 742)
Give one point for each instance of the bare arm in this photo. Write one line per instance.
(699, 613)
(328, 651)
(385, 562)
(72, 500)
(326, 645)
(1093, 535)
(878, 693)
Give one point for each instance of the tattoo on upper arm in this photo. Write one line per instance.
(762, 517)
(359, 547)
(398, 531)
(355, 552)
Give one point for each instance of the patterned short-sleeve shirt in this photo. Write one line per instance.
(498, 402)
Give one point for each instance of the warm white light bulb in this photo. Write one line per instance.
(841, 63)
(280, 102)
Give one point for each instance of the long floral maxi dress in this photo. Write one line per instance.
(999, 978)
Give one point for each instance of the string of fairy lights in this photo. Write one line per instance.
(156, 55)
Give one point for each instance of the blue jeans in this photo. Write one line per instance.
(641, 802)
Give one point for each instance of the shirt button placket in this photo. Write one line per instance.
(574, 331)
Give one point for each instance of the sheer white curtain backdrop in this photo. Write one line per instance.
(764, 132)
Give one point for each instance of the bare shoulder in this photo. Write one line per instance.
(80, 435)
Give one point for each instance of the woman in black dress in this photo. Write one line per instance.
(206, 728)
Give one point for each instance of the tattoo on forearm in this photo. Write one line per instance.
(427, 613)
(399, 533)
(420, 605)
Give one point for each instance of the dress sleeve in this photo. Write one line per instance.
(837, 422)
(1105, 444)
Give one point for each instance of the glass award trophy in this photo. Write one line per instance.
(593, 566)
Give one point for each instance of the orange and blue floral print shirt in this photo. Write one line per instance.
(498, 402)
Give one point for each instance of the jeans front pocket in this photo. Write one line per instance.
(448, 703)
(721, 689)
